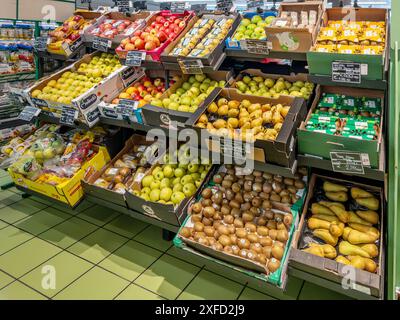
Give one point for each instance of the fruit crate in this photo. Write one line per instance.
(360, 281)
(373, 67)
(257, 73)
(86, 103)
(162, 117)
(155, 54)
(69, 192)
(101, 193)
(214, 56)
(280, 151)
(240, 45)
(172, 214)
(140, 17)
(371, 149)
(288, 39)
(230, 261)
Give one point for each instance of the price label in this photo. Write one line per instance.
(101, 44)
(126, 107)
(224, 5)
(71, 48)
(40, 43)
(198, 7)
(346, 72)
(255, 4)
(349, 162)
(135, 58)
(257, 47)
(191, 66)
(178, 7)
(28, 113)
(124, 5)
(68, 115)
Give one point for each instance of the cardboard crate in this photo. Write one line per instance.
(101, 193)
(366, 282)
(86, 103)
(301, 39)
(320, 63)
(281, 151)
(307, 140)
(69, 192)
(161, 117)
(212, 58)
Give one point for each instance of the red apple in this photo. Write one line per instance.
(137, 33)
(166, 24)
(160, 19)
(161, 36)
(139, 44)
(151, 45)
(77, 18)
(182, 24)
(177, 21)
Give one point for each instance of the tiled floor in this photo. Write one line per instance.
(51, 252)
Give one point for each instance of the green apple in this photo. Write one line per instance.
(179, 172)
(166, 194)
(155, 195)
(156, 170)
(176, 181)
(168, 171)
(203, 174)
(159, 175)
(198, 182)
(192, 167)
(195, 176)
(145, 196)
(200, 77)
(165, 183)
(147, 180)
(145, 190)
(136, 193)
(177, 187)
(192, 79)
(186, 85)
(189, 189)
(155, 184)
(186, 101)
(186, 179)
(177, 197)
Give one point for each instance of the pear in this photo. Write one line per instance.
(346, 248)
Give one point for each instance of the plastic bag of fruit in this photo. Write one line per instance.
(28, 166)
(47, 147)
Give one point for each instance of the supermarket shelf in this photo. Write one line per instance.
(367, 84)
(372, 174)
(60, 57)
(17, 77)
(337, 287)
(238, 55)
(205, 69)
(148, 64)
(127, 124)
(133, 214)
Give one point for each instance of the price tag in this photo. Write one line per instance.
(124, 5)
(126, 107)
(191, 66)
(198, 7)
(135, 58)
(40, 43)
(255, 4)
(257, 47)
(224, 5)
(68, 116)
(346, 72)
(178, 7)
(71, 48)
(101, 44)
(165, 5)
(28, 113)
(348, 162)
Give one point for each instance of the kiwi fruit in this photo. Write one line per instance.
(263, 195)
(198, 227)
(238, 223)
(271, 224)
(287, 220)
(250, 226)
(225, 201)
(267, 176)
(245, 206)
(286, 199)
(198, 235)
(247, 216)
(228, 219)
(225, 209)
(196, 217)
(299, 184)
(234, 204)
(255, 211)
(256, 202)
(204, 241)
(235, 249)
(224, 240)
(262, 231)
(241, 233)
(252, 237)
(209, 231)
(273, 233)
(228, 249)
(256, 247)
(282, 235)
(280, 225)
(251, 255)
(257, 187)
(207, 221)
(240, 182)
(266, 204)
(265, 241)
(222, 230)
(259, 180)
(227, 184)
(275, 197)
(217, 197)
(292, 189)
(229, 194)
(261, 258)
(239, 197)
(247, 196)
(243, 253)
(231, 228)
(288, 181)
(278, 178)
(278, 217)
(185, 232)
(249, 177)
(206, 193)
(267, 251)
(208, 212)
(197, 207)
(273, 265)
(277, 252)
(236, 187)
(243, 243)
(218, 246)
(261, 221)
(248, 185)
(206, 203)
(217, 216)
(235, 212)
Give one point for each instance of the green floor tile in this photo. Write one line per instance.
(3, 173)
(207, 285)
(126, 226)
(67, 233)
(42, 220)
(27, 256)
(5, 279)
(311, 291)
(98, 215)
(10, 237)
(8, 197)
(134, 292)
(20, 210)
(183, 255)
(83, 205)
(98, 245)
(3, 224)
(250, 294)
(97, 284)
(67, 269)
(130, 260)
(15, 190)
(46, 201)
(152, 236)
(5, 179)
(167, 277)
(18, 291)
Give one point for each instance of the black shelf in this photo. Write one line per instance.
(238, 55)
(206, 69)
(60, 57)
(11, 123)
(366, 84)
